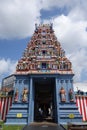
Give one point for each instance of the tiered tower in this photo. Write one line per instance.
(43, 82)
(44, 54)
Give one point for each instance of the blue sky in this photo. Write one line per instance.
(17, 23)
(12, 49)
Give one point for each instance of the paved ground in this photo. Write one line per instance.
(43, 126)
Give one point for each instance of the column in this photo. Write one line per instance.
(59, 87)
(21, 89)
(57, 100)
(67, 90)
(71, 86)
(31, 102)
(15, 85)
(16, 92)
(63, 90)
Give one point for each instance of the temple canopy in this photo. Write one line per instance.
(44, 54)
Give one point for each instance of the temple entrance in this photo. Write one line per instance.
(44, 108)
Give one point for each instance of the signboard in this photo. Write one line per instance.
(19, 115)
(71, 116)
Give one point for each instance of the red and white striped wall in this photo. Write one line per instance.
(5, 104)
(81, 102)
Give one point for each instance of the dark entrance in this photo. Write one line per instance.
(45, 102)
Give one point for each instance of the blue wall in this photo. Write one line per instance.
(28, 81)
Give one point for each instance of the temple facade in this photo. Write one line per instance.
(42, 86)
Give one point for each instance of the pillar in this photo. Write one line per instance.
(67, 90)
(31, 102)
(71, 86)
(57, 99)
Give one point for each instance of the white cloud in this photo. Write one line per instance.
(49, 4)
(17, 18)
(79, 62)
(7, 66)
(72, 34)
(80, 86)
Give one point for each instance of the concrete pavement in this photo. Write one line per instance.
(43, 126)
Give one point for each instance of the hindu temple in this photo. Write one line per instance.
(42, 85)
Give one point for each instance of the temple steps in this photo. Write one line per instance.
(65, 109)
(18, 114)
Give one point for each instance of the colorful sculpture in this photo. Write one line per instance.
(16, 96)
(62, 95)
(71, 95)
(25, 95)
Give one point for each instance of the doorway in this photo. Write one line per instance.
(44, 99)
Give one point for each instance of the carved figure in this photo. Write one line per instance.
(62, 95)
(25, 95)
(71, 95)
(16, 96)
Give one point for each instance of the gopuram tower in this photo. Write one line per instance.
(43, 82)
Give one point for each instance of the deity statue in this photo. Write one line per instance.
(16, 96)
(71, 95)
(25, 95)
(62, 95)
